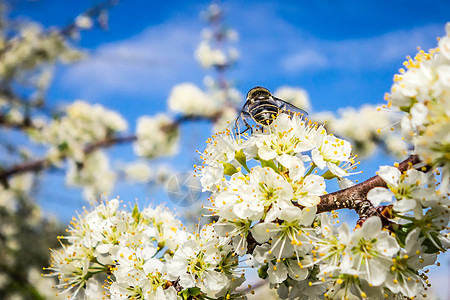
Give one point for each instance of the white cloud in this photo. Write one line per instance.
(305, 59)
(378, 51)
(146, 64)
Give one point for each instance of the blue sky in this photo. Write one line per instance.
(344, 53)
(341, 52)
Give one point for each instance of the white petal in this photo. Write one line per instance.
(336, 170)
(307, 215)
(215, 280)
(376, 272)
(419, 114)
(187, 280)
(277, 273)
(378, 195)
(286, 160)
(371, 227)
(405, 205)
(291, 214)
(387, 245)
(345, 183)
(297, 273)
(318, 159)
(262, 232)
(266, 153)
(443, 72)
(344, 233)
(391, 175)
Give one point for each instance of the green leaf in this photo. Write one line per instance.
(241, 158)
(135, 213)
(64, 146)
(328, 175)
(229, 169)
(405, 108)
(189, 293)
(430, 246)
(262, 272)
(185, 294)
(194, 291)
(268, 164)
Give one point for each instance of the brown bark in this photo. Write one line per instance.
(355, 197)
(40, 164)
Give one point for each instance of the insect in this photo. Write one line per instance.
(263, 108)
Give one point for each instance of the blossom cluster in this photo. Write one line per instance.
(156, 136)
(265, 192)
(217, 102)
(422, 91)
(69, 137)
(375, 127)
(294, 95)
(208, 53)
(32, 48)
(83, 124)
(214, 103)
(28, 55)
(111, 252)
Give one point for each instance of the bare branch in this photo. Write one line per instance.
(91, 13)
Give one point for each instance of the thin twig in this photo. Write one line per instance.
(109, 142)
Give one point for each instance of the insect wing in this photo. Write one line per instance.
(241, 124)
(288, 108)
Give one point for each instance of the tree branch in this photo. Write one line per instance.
(40, 164)
(29, 166)
(26, 123)
(355, 197)
(109, 142)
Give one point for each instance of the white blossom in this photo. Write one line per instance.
(369, 251)
(296, 96)
(207, 56)
(138, 171)
(189, 100)
(156, 136)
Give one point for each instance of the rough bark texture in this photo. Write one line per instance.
(355, 197)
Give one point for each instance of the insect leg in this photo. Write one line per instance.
(243, 116)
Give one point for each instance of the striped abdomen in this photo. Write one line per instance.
(264, 112)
